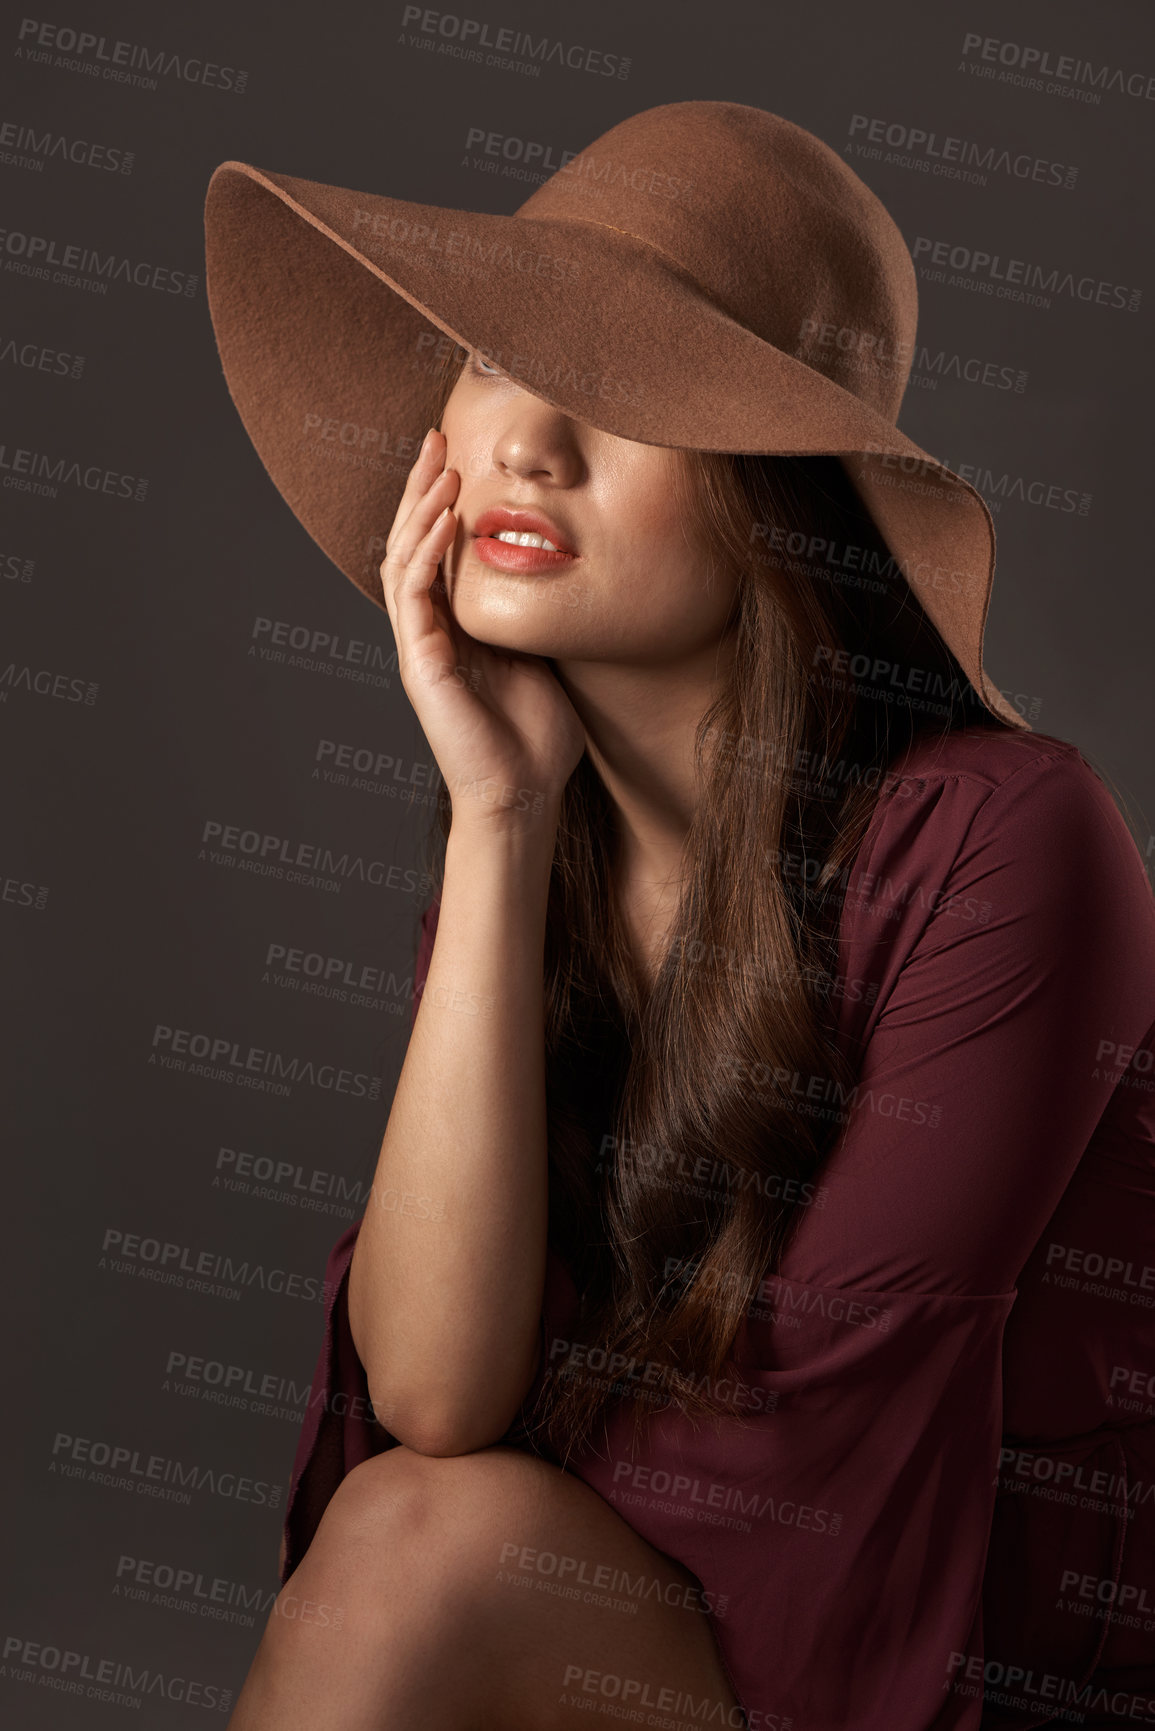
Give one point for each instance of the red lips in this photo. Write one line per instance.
(522, 523)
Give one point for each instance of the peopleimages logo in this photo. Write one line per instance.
(34, 254)
(166, 1263)
(119, 61)
(464, 37)
(43, 145)
(119, 1682)
(534, 161)
(1017, 278)
(226, 1060)
(24, 895)
(320, 651)
(76, 1456)
(1031, 1690)
(44, 473)
(946, 155)
(45, 682)
(870, 352)
(267, 855)
(41, 358)
(1023, 64)
(237, 1381)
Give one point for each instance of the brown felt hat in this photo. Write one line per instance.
(704, 274)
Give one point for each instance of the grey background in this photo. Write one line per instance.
(154, 602)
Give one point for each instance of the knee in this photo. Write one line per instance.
(405, 1515)
(382, 1509)
(414, 1512)
(379, 1526)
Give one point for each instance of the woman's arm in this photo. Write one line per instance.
(446, 1282)
(448, 1273)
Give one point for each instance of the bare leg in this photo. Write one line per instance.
(430, 1597)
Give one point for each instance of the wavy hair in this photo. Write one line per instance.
(684, 1139)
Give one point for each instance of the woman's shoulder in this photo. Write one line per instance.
(988, 756)
(994, 857)
(981, 797)
(1010, 779)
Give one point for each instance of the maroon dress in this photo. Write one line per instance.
(937, 1506)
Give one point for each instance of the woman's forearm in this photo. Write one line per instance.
(448, 1272)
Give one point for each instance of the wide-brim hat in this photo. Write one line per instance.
(704, 274)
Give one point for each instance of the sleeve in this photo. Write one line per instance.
(848, 1519)
(981, 1081)
(339, 1429)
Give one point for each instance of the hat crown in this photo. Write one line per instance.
(771, 222)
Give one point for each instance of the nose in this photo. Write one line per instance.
(536, 442)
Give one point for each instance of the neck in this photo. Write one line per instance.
(640, 722)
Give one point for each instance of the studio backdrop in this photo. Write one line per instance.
(215, 791)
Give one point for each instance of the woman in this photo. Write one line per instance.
(710, 1301)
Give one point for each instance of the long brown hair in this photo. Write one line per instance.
(674, 1182)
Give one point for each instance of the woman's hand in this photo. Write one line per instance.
(504, 733)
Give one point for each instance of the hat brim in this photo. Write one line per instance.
(330, 307)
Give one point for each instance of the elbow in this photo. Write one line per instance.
(453, 1418)
(429, 1426)
(450, 1437)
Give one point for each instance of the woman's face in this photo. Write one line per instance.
(640, 589)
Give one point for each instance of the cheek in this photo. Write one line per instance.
(470, 449)
(706, 601)
(660, 595)
(468, 446)
(473, 462)
(465, 452)
(681, 579)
